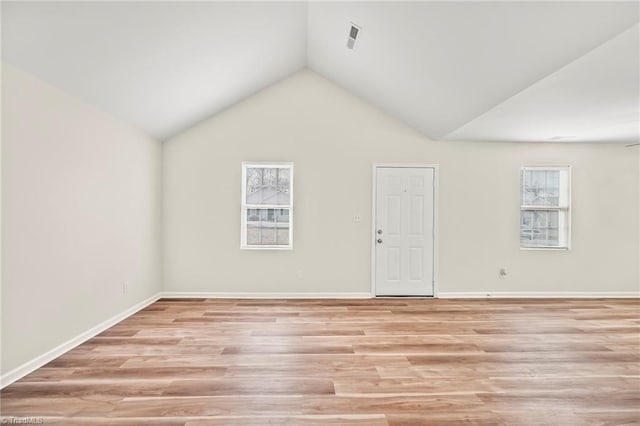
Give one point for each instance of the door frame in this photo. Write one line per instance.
(436, 202)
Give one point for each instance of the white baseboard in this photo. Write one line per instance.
(365, 295)
(267, 295)
(539, 294)
(26, 368)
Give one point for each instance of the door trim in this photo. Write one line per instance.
(436, 202)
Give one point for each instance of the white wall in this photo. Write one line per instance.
(80, 216)
(333, 138)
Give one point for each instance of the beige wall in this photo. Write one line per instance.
(333, 139)
(80, 216)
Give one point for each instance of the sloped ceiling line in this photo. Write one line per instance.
(594, 79)
(453, 70)
(437, 66)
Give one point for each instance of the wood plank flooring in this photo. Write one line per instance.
(349, 362)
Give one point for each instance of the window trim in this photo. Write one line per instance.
(244, 207)
(566, 209)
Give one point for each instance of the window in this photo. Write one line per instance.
(267, 206)
(544, 207)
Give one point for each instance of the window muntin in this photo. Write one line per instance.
(544, 207)
(267, 205)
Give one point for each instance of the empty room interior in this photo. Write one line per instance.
(307, 212)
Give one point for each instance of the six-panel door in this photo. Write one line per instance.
(404, 239)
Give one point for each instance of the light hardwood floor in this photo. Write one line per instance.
(367, 362)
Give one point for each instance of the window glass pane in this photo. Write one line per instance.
(268, 185)
(282, 225)
(540, 188)
(267, 227)
(540, 228)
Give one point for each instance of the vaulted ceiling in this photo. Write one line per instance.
(480, 71)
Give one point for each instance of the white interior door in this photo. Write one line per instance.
(404, 239)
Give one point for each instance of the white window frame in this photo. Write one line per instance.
(560, 209)
(245, 207)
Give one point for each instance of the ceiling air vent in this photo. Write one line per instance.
(353, 36)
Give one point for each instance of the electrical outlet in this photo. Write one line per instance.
(502, 273)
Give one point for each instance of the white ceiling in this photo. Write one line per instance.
(594, 98)
(438, 66)
(161, 66)
(498, 71)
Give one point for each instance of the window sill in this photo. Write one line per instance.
(266, 247)
(544, 248)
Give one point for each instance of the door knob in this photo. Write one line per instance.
(380, 231)
(379, 240)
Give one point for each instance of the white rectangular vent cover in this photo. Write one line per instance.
(353, 36)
